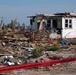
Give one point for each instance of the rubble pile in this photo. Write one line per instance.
(17, 48)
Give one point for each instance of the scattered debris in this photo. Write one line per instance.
(32, 47)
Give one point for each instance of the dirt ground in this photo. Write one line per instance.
(59, 69)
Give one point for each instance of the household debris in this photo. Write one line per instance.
(19, 47)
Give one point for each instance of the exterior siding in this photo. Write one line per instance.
(69, 32)
(34, 26)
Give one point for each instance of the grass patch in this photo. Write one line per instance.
(53, 48)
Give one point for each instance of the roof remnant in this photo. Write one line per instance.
(67, 14)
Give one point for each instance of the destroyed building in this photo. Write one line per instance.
(61, 25)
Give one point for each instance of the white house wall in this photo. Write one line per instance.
(70, 32)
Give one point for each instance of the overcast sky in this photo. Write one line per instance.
(20, 9)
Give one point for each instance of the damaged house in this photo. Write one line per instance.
(59, 24)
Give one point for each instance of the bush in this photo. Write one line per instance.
(36, 53)
(53, 48)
